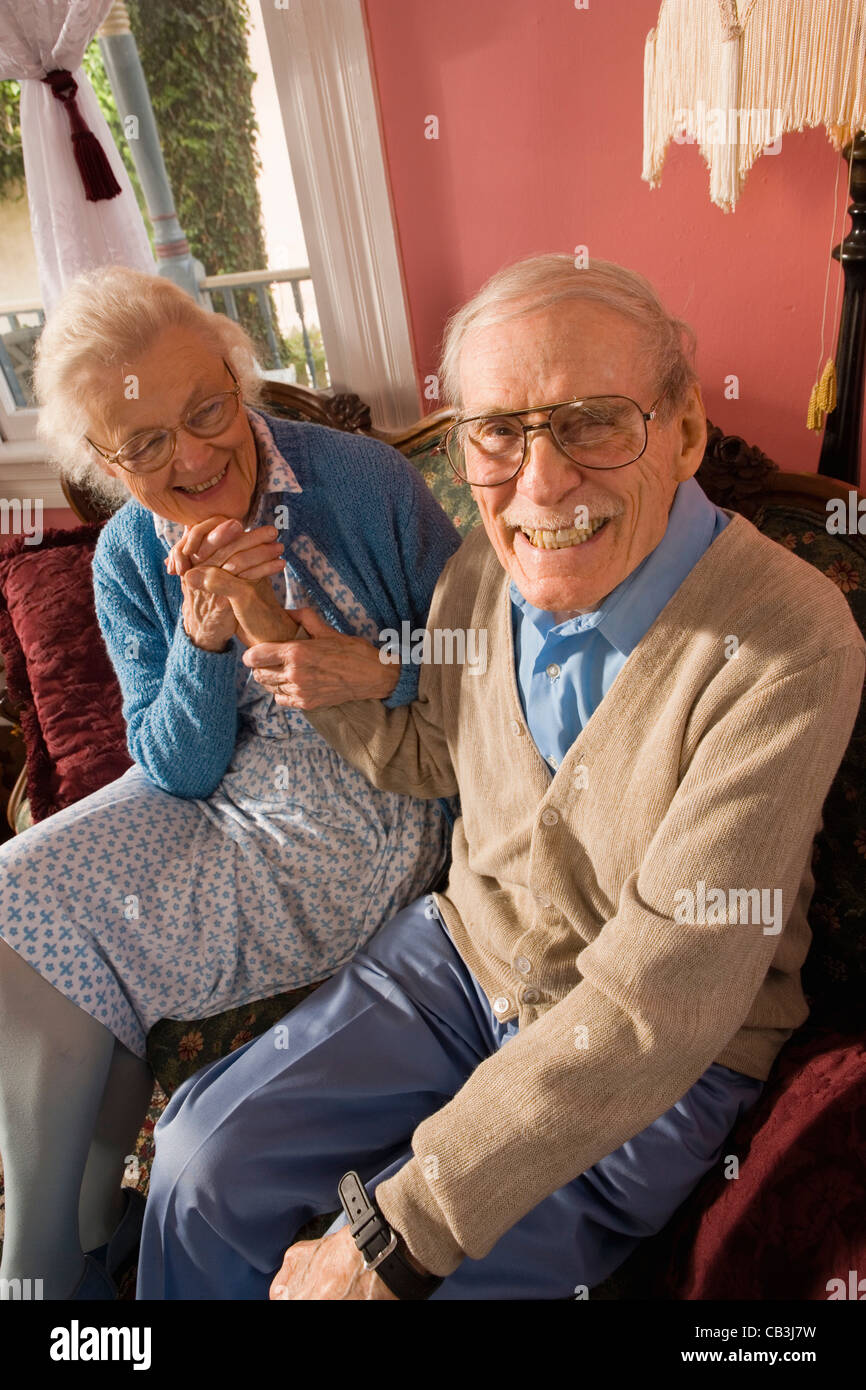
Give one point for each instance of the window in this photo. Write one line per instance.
(316, 77)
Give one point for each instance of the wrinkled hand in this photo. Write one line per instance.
(208, 618)
(329, 670)
(223, 541)
(255, 607)
(329, 1268)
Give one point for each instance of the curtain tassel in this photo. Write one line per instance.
(93, 166)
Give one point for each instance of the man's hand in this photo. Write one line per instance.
(255, 606)
(329, 670)
(329, 1268)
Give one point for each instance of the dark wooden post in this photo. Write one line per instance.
(840, 452)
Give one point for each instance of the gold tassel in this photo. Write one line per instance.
(823, 397)
(827, 387)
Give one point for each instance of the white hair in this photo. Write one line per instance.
(107, 318)
(540, 281)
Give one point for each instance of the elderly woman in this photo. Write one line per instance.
(240, 856)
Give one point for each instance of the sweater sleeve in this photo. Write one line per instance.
(426, 539)
(400, 749)
(659, 997)
(179, 702)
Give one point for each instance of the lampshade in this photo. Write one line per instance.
(735, 75)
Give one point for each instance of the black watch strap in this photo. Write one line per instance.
(383, 1249)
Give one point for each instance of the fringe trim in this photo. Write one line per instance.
(786, 64)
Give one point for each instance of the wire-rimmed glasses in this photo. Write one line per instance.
(150, 450)
(595, 431)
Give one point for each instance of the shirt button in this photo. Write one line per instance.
(523, 964)
(549, 816)
(501, 1005)
(552, 671)
(531, 996)
(516, 727)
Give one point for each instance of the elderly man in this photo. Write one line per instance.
(642, 766)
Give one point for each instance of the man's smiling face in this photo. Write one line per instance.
(575, 348)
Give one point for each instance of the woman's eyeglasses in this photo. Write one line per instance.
(153, 449)
(596, 432)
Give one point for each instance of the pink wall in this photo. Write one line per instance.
(540, 149)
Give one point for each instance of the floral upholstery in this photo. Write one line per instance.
(453, 496)
(176, 1049)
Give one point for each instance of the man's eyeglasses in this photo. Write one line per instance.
(596, 432)
(153, 449)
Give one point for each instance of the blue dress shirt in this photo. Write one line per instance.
(564, 670)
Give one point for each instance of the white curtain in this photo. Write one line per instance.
(70, 234)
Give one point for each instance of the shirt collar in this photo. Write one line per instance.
(275, 475)
(625, 615)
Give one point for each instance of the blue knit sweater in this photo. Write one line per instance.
(363, 505)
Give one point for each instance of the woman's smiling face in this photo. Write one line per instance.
(180, 370)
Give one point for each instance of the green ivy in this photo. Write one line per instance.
(198, 72)
(297, 357)
(11, 158)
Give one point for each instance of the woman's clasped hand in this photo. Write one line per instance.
(225, 575)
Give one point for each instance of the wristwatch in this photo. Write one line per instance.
(383, 1249)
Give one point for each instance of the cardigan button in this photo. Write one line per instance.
(549, 816)
(516, 727)
(531, 996)
(501, 1005)
(523, 964)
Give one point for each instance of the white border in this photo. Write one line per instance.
(326, 91)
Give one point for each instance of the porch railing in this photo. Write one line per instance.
(259, 282)
(21, 322)
(17, 341)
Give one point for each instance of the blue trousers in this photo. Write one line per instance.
(252, 1146)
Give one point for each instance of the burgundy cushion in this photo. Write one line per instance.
(795, 1217)
(58, 671)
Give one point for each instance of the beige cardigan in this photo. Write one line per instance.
(696, 768)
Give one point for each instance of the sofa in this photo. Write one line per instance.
(794, 1218)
